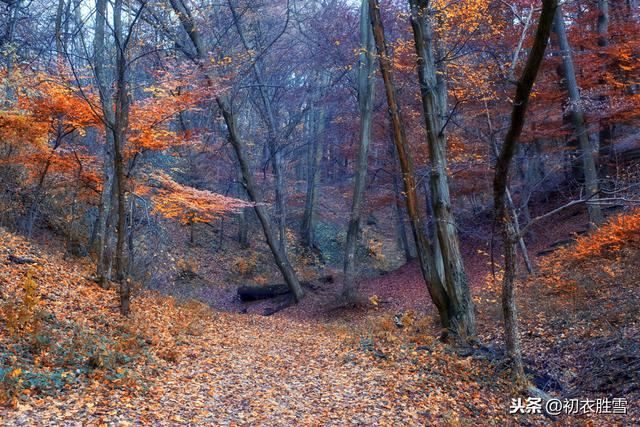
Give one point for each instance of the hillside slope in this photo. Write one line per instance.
(67, 356)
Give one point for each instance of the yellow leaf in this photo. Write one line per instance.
(374, 300)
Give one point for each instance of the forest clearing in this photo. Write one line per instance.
(319, 212)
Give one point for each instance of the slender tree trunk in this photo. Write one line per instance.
(239, 146)
(461, 309)
(72, 238)
(500, 183)
(605, 134)
(509, 199)
(122, 102)
(275, 149)
(366, 89)
(104, 209)
(281, 258)
(432, 229)
(398, 210)
(308, 225)
(14, 11)
(425, 255)
(577, 118)
(58, 28)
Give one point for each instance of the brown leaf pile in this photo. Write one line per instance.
(186, 364)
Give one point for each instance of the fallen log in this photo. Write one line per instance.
(260, 292)
(254, 293)
(21, 260)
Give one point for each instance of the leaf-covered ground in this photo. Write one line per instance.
(182, 363)
(68, 358)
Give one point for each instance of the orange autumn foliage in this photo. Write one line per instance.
(188, 204)
(150, 118)
(620, 231)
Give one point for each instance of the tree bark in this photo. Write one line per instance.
(434, 285)
(272, 138)
(14, 11)
(510, 205)
(605, 134)
(308, 225)
(577, 118)
(398, 210)
(432, 91)
(120, 126)
(104, 89)
(366, 88)
(500, 182)
(58, 28)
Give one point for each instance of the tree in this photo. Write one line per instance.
(577, 117)
(454, 317)
(275, 148)
(366, 87)
(239, 146)
(434, 110)
(524, 87)
(317, 126)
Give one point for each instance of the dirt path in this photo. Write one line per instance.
(206, 367)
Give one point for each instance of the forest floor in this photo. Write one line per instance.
(68, 358)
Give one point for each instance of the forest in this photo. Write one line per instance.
(319, 212)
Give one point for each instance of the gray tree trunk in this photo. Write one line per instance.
(401, 231)
(510, 205)
(577, 118)
(122, 103)
(272, 138)
(366, 88)
(500, 184)
(58, 28)
(423, 246)
(432, 90)
(605, 134)
(307, 227)
(104, 89)
(7, 42)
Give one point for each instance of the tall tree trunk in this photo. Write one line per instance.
(510, 205)
(577, 118)
(605, 134)
(276, 153)
(104, 89)
(7, 42)
(239, 146)
(366, 89)
(316, 136)
(58, 28)
(432, 93)
(119, 139)
(432, 229)
(104, 211)
(500, 183)
(401, 231)
(425, 255)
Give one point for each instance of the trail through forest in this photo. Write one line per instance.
(181, 363)
(186, 364)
